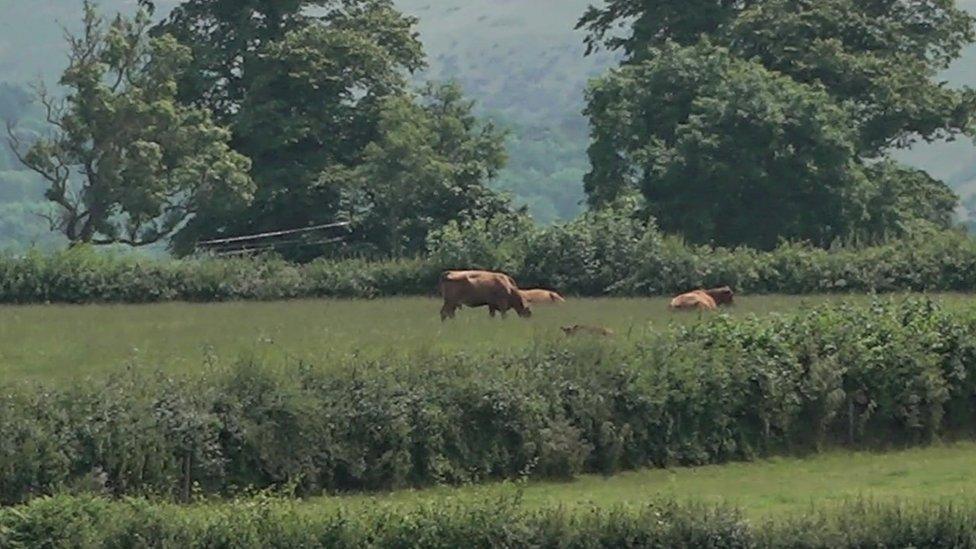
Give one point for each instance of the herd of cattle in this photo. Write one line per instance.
(500, 293)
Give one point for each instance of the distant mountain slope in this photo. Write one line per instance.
(524, 64)
(521, 60)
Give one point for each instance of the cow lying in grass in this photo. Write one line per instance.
(704, 300)
(697, 300)
(542, 297)
(497, 291)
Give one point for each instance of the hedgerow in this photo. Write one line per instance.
(898, 372)
(268, 522)
(601, 254)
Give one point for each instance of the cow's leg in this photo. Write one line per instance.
(492, 310)
(447, 311)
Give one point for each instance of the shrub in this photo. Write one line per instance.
(896, 372)
(600, 253)
(269, 522)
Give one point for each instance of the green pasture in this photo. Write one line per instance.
(766, 488)
(65, 341)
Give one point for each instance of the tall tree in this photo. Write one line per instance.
(904, 199)
(879, 58)
(724, 151)
(427, 167)
(228, 36)
(301, 84)
(876, 61)
(125, 162)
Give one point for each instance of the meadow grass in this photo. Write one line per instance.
(65, 341)
(762, 489)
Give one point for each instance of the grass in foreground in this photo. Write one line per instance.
(767, 488)
(45, 342)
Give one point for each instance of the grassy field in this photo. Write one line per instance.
(61, 342)
(764, 488)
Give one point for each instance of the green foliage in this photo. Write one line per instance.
(126, 163)
(224, 37)
(589, 254)
(491, 49)
(879, 59)
(427, 167)
(896, 372)
(318, 99)
(608, 252)
(496, 243)
(266, 521)
(306, 87)
(653, 24)
(728, 153)
(743, 122)
(905, 198)
(601, 253)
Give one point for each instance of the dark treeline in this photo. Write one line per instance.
(227, 118)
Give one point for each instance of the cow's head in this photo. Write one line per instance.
(521, 305)
(722, 296)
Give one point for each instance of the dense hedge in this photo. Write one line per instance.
(897, 372)
(595, 256)
(267, 523)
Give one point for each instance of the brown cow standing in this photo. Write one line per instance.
(540, 297)
(693, 300)
(497, 291)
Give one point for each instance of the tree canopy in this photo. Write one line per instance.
(426, 168)
(125, 162)
(880, 59)
(316, 94)
(728, 152)
(782, 107)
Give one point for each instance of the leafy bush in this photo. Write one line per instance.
(600, 253)
(269, 522)
(897, 372)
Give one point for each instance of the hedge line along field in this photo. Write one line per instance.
(275, 523)
(774, 487)
(881, 489)
(883, 374)
(67, 341)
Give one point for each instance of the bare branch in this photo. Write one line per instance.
(54, 223)
(53, 109)
(131, 240)
(16, 146)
